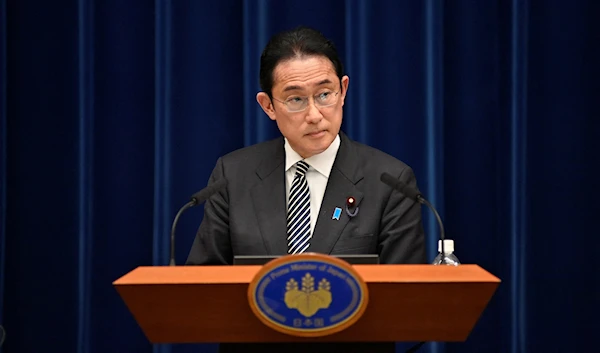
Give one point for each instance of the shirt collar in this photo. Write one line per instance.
(321, 162)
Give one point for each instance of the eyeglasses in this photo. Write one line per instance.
(295, 104)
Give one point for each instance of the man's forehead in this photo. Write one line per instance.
(304, 72)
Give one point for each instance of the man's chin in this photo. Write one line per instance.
(319, 149)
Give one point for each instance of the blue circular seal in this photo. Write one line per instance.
(308, 295)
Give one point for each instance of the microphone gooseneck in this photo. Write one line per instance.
(174, 225)
(422, 200)
(195, 200)
(414, 194)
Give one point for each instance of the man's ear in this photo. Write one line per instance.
(266, 104)
(345, 82)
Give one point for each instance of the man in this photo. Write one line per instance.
(282, 195)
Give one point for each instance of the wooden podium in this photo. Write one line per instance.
(209, 304)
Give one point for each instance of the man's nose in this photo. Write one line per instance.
(313, 114)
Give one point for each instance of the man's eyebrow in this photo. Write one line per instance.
(292, 88)
(298, 88)
(323, 82)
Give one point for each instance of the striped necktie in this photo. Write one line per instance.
(298, 219)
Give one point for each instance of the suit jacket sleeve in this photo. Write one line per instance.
(402, 239)
(212, 245)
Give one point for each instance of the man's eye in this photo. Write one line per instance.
(324, 95)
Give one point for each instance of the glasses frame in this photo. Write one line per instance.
(313, 99)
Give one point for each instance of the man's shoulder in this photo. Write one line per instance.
(254, 152)
(375, 158)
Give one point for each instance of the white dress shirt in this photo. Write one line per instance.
(316, 176)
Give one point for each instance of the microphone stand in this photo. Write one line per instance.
(422, 200)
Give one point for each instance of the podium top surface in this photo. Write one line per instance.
(148, 275)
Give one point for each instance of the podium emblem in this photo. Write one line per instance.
(308, 295)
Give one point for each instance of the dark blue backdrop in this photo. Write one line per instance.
(113, 112)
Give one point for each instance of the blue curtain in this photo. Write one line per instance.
(112, 113)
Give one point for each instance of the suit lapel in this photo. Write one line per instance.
(344, 176)
(268, 197)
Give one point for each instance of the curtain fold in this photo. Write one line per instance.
(518, 171)
(162, 132)
(113, 113)
(255, 36)
(434, 96)
(356, 56)
(3, 154)
(85, 182)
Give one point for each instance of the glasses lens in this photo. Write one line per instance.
(326, 99)
(296, 104)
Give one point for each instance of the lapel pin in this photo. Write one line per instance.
(337, 213)
(351, 204)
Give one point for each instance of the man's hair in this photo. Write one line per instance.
(296, 43)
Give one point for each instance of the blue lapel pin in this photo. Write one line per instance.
(337, 213)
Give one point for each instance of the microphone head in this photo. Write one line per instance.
(400, 186)
(208, 191)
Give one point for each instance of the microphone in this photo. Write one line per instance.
(415, 195)
(195, 200)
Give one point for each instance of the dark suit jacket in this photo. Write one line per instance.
(248, 217)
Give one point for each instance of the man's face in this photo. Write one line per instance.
(311, 79)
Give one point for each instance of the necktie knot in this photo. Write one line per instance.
(301, 168)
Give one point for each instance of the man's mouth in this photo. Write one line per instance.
(316, 133)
